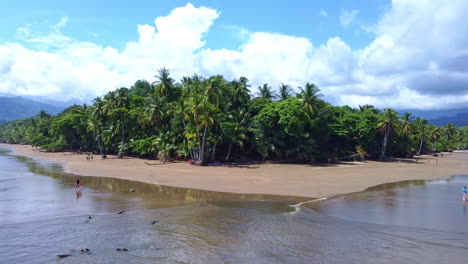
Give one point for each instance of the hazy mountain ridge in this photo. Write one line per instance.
(441, 117)
(460, 120)
(14, 108)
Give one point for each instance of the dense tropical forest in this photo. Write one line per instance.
(212, 119)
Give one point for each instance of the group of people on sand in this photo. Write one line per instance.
(89, 157)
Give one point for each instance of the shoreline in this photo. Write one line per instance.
(302, 180)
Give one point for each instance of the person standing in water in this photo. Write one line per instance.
(464, 193)
(78, 182)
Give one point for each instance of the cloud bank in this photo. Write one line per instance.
(418, 59)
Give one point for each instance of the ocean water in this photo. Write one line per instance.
(42, 216)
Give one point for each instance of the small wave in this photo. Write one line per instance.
(297, 207)
(310, 201)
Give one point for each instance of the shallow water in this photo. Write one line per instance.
(42, 216)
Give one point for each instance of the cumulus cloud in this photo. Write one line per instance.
(348, 16)
(417, 59)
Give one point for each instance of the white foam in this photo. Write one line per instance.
(310, 201)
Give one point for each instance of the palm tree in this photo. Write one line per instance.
(214, 87)
(240, 92)
(96, 121)
(238, 133)
(449, 133)
(388, 123)
(116, 103)
(265, 91)
(405, 125)
(193, 110)
(284, 92)
(153, 112)
(421, 125)
(207, 119)
(434, 134)
(309, 97)
(164, 85)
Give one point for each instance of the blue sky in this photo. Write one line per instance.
(114, 22)
(388, 53)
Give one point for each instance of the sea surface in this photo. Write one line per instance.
(42, 216)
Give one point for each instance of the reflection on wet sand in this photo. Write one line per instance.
(78, 193)
(157, 193)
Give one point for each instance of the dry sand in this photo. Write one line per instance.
(279, 179)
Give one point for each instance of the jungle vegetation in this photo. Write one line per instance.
(216, 120)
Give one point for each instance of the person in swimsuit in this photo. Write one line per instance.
(464, 193)
(78, 182)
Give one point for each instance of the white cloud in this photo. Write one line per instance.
(417, 60)
(348, 16)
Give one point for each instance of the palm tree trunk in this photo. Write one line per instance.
(213, 155)
(198, 137)
(384, 145)
(103, 155)
(202, 148)
(420, 145)
(74, 138)
(229, 152)
(120, 155)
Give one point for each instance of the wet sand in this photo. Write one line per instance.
(278, 179)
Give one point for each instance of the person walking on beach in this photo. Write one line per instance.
(464, 193)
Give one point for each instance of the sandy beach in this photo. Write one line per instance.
(279, 179)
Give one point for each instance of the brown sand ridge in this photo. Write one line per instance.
(279, 179)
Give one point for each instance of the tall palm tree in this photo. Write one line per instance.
(240, 92)
(449, 131)
(309, 97)
(421, 125)
(214, 88)
(388, 123)
(405, 124)
(285, 92)
(207, 119)
(434, 134)
(153, 112)
(116, 103)
(164, 85)
(96, 120)
(194, 110)
(266, 92)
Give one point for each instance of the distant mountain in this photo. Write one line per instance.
(460, 119)
(13, 108)
(434, 113)
(57, 103)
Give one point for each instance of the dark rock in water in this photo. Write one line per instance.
(82, 251)
(124, 249)
(119, 249)
(121, 212)
(89, 217)
(154, 222)
(87, 249)
(63, 256)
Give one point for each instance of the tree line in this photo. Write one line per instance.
(215, 120)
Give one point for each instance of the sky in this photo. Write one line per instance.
(410, 54)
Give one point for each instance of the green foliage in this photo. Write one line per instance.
(213, 119)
